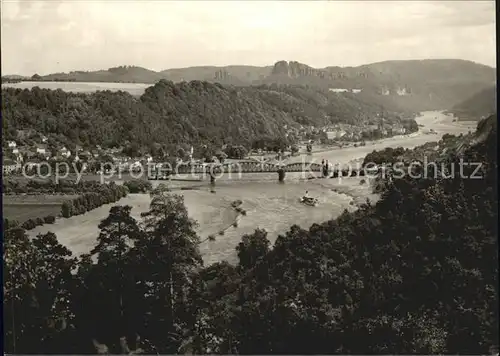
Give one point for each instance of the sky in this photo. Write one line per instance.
(65, 35)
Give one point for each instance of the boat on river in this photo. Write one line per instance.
(308, 201)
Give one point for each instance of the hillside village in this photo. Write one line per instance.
(32, 148)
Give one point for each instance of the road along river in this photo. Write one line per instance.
(268, 204)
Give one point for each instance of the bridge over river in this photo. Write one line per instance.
(217, 169)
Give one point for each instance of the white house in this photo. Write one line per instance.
(41, 149)
(402, 91)
(12, 144)
(65, 152)
(339, 90)
(398, 130)
(335, 134)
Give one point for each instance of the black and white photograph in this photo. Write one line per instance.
(249, 177)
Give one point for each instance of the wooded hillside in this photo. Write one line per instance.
(189, 113)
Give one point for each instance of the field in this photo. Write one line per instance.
(24, 207)
(136, 89)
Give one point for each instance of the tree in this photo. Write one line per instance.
(169, 254)
(114, 278)
(181, 153)
(236, 152)
(37, 281)
(221, 156)
(118, 231)
(252, 248)
(138, 186)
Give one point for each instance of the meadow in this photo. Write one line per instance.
(135, 89)
(24, 207)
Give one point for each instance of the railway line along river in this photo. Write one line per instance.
(268, 204)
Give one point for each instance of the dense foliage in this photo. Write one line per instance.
(415, 273)
(428, 152)
(89, 195)
(305, 104)
(29, 224)
(50, 186)
(235, 152)
(105, 194)
(169, 115)
(138, 186)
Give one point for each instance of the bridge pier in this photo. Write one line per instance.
(281, 175)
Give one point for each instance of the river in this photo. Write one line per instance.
(268, 204)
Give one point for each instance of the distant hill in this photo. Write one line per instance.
(233, 75)
(122, 74)
(184, 113)
(478, 106)
(13, 78)
(416, 85)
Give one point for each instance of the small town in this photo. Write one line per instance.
(37, 149)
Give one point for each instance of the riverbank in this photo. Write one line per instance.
(269, 205)
(437, 121)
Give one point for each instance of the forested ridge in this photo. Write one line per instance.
(430, 84)
(482, 103)
(189, 113)
(415, 273)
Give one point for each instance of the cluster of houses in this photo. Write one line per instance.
(346, 132)
(110, 158)
(31, 156)
(19, 155)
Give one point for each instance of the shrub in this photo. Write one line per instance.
(49, 219)
(29, 224)
(138, 186)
